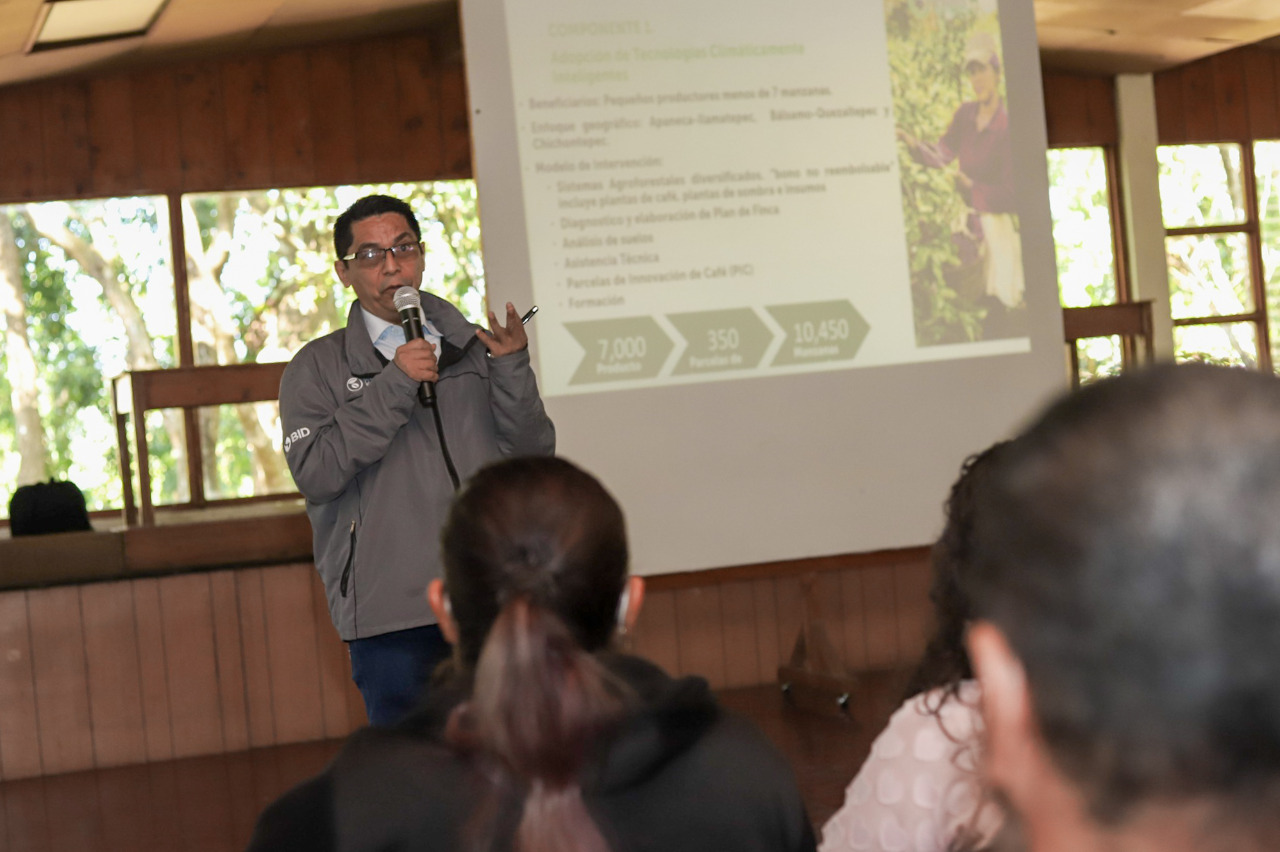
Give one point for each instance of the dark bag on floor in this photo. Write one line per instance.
(47, 507)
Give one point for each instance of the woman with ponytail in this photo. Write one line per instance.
(537, 736)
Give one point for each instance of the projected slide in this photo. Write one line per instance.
(747, 194)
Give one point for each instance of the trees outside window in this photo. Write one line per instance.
(1267, 180)
(88, 291)
(1207, 199)
(1084, 237)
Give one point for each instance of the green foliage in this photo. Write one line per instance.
(261, 285)
(71, 375)
(1082, 238)
(926, 49)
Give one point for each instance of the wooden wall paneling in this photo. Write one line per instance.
(290, 115)
(19, 728)
(113, 156)
(455, 121)
(246, 111)
(27, 816)
(256, 661)
(205, 804)
(72, 801)
(738, 615)
(701, 626)
(1229, 95)
(64, 118)
(378, 143)
(767, 642)
(154, 671)
(114, 679)
(186, 606)
(790, 598)
(831, 605)
(291, 647)
(246, 803)
(656, 636)
(124, 803)
(854, 623)
(1262, 105)
(1167, 92)
(201, 127)
(915, 612)
(229, 657)
(22, 175)
(1199, 112)
(879, 609)
(1104, 122)
(1079, 110)
(418, 105)
(155, 129)
(335, 666)
(62, 693)
(162, 794)
(334, 125)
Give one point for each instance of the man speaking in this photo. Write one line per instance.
(378, 429)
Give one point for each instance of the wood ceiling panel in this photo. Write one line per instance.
(1102, 36)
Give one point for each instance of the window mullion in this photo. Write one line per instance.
(1258, 279)
(186, 349)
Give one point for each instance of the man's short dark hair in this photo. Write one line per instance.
(370, 205)
(1128, 546)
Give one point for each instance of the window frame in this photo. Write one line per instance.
(1252, 230)
(1132, 350)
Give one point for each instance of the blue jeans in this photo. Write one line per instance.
(392, 670)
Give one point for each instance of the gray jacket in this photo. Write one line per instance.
(366, 456)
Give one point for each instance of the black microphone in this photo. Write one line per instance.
(409, 304)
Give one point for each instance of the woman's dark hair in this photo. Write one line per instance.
(535, 559)
(946, 662)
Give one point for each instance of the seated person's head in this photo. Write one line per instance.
(1126, 585)
(540, 530)
(535, 565)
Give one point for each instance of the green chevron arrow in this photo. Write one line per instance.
(731, 339)
(819, 331)
(619, 350)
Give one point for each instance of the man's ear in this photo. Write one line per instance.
(439, 600)
(341, 269)
(635, 600)
(1014, 750)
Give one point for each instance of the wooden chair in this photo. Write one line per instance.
(1130, 320)
(135, 393)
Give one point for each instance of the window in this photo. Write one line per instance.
(260, 264)
(89, 293)
(1084, 236)
(1267, 178)
(1211, 245)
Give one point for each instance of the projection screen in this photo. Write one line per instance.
(793, 262)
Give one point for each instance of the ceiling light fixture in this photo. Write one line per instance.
(71, 23)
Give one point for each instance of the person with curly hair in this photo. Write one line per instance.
(919, 788)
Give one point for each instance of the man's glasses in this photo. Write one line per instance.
(376, 256)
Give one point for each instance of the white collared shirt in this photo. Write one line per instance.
(387, 337)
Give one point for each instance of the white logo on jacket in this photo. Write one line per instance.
(296, 435)
(354, 384)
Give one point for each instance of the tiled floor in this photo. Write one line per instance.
(209, 804)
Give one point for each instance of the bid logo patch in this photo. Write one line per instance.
(296, 435)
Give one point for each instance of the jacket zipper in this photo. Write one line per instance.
(351, 558)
